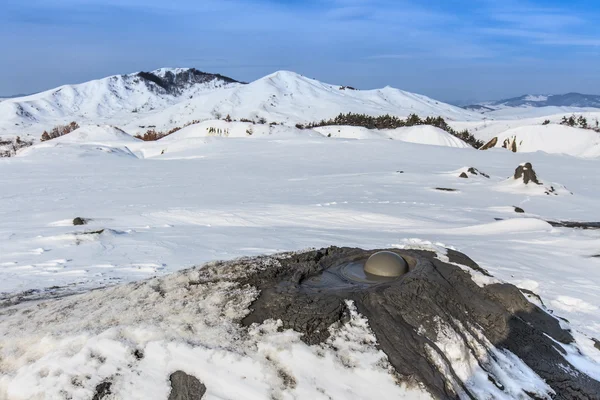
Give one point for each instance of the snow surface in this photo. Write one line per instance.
(207, 198)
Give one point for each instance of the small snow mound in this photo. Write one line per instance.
(525, 180)
(421, 134)
(426, 134)
(97, 134)
(469, 172)
(220, 128)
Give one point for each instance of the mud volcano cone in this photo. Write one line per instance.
(418, 316)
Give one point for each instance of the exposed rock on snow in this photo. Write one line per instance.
(185, 387)
(525, 180)
(467, 172)
(435, 324)
(490, 144)
(102, 391)
(519, 210)
(526, 173)
(80, 221)
(575, 224)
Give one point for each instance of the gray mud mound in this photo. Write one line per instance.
(411, 314)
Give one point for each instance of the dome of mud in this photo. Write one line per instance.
(386, 264)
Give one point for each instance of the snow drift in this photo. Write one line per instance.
(420, 134)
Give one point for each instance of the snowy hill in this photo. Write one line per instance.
(421, 134)
(551, 138)
(115, 98)
(166, 98)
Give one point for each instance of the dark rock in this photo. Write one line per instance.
(185, 387)
(102, 390)
(80, 221)
(519, 210)
(475, 171)
(462, 259)
(575, 224)
(407, 315)
(446, 189)
(98, 232)
(596, 343)
(138, 354)
(526, 173)
(463, 175)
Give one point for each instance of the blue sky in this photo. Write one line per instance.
(451, 50)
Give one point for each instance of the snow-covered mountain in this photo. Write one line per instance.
(107, 99)
(171, 97)
(575, 100)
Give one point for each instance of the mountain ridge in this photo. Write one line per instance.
(171, 97)
(571, 99)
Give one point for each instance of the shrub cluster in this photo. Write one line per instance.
(9, 148)
(392, 122)
(59, 131)
(153, 135)
(579, 122)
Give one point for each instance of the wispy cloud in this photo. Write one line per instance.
(371, 41)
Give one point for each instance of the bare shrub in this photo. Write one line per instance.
(8, 148)
(58, 131)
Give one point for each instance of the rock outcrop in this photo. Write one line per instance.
(185, 387)
(526, 173)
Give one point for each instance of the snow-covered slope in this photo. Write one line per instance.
(422, 134)
(551, 138)
(167, 98)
